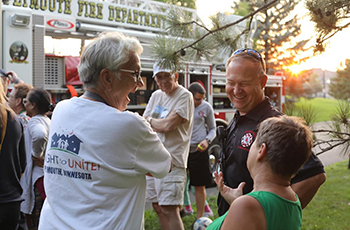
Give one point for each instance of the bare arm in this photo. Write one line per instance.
(245, 213)
(229, 194)
(307, 189)
(171, 122)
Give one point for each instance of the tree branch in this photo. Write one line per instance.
(336, 31)
(228, 25)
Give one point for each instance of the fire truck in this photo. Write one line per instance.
(26, 26)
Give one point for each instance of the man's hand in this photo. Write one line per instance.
(229, 194)
(202, 146)
(39, 161)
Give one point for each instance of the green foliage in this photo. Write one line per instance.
(163, 49)
(304, 109)
(152, 222)
(242, 8)
(341, 124)
(329, 209)
(195, 43)
(330, 17)
(185, 3)
(324, 108)
(339, 87)
(275, 30)
(178, 23)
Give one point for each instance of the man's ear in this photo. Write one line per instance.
(106, 78)
(263, 81)
(176, 76)
(262, 152)
(19, 101)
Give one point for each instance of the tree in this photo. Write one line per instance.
(196, 40)
(274, 33)
(185, 3)
(330, 17)
(339, 87)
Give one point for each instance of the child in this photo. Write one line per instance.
(282, 146)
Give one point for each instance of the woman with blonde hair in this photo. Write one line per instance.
(12, 164)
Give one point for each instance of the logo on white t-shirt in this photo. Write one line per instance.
(64, 142)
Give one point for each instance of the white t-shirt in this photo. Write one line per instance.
(96, 161)
(177, 141)
(36, 135)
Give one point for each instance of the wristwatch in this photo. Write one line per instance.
(209, 142)
(149, 119)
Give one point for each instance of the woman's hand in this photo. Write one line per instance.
(229, 194)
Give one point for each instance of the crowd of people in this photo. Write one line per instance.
(25, 127)
(94, 164)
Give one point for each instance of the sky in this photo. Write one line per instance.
(336, 51)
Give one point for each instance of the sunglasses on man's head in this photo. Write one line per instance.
(252, 53)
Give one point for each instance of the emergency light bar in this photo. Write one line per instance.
(20, 20)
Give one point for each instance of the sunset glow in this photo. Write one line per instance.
(336, 50)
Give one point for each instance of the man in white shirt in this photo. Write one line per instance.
(170, 113)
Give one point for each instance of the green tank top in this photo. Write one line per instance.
(280, 213)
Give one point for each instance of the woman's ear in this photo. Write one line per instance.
(262, 152)
(106, 78)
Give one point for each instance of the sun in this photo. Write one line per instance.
(295, 69)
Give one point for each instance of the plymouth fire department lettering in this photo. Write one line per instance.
(94, 10)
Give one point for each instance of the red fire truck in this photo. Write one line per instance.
(27, 25)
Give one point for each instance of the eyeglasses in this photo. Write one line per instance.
(252, 53)
(164, 77)
(137, 74)
(199, 99)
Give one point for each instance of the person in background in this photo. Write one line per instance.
(282, 146)
(7, 78)
(37, 104)
(12, 165)
(99, 154)
(15, 101)
(170, 114)
(245, 82)
(204, 132)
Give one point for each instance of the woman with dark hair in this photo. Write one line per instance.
(37, 104)
(12, 165)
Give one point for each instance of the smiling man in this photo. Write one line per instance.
(245, 82)
(170, 114)
(98, 155)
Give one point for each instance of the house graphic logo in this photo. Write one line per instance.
(66, 143)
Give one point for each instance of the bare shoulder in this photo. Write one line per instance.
(245, 213)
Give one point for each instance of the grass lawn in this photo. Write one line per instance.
(323, 107)
(329, 210)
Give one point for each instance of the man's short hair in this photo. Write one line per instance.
(196, 87)
(288, 142)
(22, 89)
(109, 50)
(259, 61)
